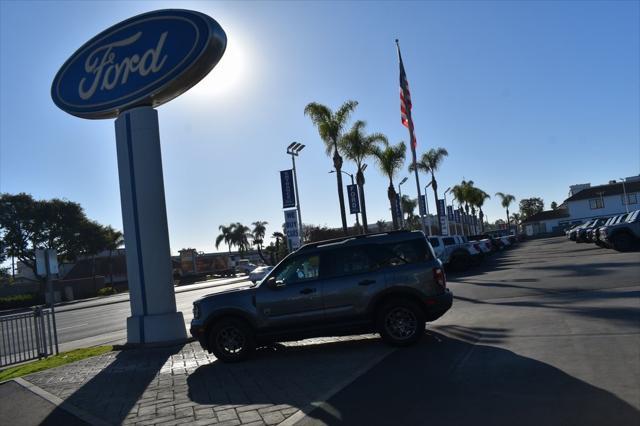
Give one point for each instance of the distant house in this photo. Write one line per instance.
(587, 202)
(548, 221)
(604, 200)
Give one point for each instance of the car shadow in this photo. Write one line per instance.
(446, 380)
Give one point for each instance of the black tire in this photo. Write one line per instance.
(400, 322)
(231, 340)
(622, 241)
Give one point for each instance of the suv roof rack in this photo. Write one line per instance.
(349, 238)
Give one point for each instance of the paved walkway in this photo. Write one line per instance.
(187, 385)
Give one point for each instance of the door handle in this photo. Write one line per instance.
(367, 282)
(308, 291)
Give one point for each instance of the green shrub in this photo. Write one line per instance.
(17, 301)
(105, 291)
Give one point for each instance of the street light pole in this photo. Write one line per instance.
(625, 200)
(294, 149)
(401, 210)
(426, 205)
(446, 215)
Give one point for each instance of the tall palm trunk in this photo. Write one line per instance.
(391, 194)
(363, 205)
(434, 186)
(337, 163)
(508, 222)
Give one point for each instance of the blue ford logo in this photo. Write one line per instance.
(146, 60)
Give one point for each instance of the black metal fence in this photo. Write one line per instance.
(26, 336)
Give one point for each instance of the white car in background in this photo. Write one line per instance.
(259, 273)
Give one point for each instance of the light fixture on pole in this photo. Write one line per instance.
(294, 149)
(352, 183)
(400, 194)
(625, 200)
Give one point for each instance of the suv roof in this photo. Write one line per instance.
(354, 240)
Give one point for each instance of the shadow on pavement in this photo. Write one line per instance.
(449, 381)
(111, 393)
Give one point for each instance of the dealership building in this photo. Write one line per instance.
(587, 202)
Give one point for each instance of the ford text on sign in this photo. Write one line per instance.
(146, 60)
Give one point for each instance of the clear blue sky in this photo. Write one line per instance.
(527, 97)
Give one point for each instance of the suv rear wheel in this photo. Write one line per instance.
(231, 340)
(400, 322)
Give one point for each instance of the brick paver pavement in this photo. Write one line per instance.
(186, 385)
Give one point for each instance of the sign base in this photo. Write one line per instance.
(156, 328)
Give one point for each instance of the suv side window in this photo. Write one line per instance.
(448, 241)
(299, 269)
(349, 261)
(401, 253)
(434, 242)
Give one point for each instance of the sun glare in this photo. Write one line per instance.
(227, 76)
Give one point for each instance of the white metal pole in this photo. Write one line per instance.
(295, 186)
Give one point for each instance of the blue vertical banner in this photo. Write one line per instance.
(354, 201)
(441, 210)
(422, 206)
(456, 215)
(398, 209)
(288, 194)
(450, 213)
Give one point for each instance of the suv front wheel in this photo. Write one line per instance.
(231, 340)
(400, 322)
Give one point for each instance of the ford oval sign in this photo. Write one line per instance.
(146, 60)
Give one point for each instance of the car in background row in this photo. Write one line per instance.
(582, 234)
(624, 235)
(259, 273)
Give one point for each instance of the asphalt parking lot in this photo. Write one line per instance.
(546, 333)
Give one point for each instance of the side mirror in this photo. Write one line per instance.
(273, 284)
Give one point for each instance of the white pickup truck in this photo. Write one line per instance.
(455, 251)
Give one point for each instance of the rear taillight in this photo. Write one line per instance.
(439, 277)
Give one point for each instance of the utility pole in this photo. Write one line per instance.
(625, 200)
(401, 210)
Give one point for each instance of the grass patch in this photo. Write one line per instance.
(53, 361)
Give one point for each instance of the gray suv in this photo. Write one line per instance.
(391, 283)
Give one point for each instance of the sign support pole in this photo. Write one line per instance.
(154, 317)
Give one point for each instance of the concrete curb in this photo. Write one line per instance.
(303, 412)
(60, 403)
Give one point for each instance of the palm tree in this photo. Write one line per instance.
(258, 233)
(382, 225)
(516, 219)
(240, 236)
(408, 207)
(506, 200)
(478, 197)
(390, 160)
(330, 126)
(115, 239)
(429, 163)
(226, 235)
(278, 236)
(463, 193)
(357, 146)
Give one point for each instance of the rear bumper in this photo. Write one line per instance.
(437, 306)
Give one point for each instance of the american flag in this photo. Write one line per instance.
(405, 101)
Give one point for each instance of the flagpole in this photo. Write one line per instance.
(413, 152)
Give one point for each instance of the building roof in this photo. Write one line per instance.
(605, 190)
(548, 215)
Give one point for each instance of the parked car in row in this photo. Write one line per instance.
(391, 283)
(620, 232)
(624, 235)
(259, 273)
